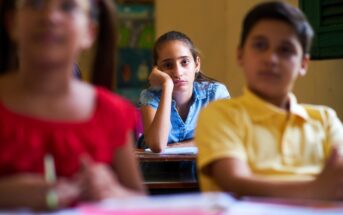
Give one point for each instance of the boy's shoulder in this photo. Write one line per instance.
(225, 112)
(233, 106)
(319, 112)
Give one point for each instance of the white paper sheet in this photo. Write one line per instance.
(178, 150)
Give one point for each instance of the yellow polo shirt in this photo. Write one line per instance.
(275, 143)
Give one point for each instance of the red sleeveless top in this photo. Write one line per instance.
(25, 140)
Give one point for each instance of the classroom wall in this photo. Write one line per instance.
(214, 27)
(205, 23)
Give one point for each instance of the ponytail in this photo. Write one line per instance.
(103, 71)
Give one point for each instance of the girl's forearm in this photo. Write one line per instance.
(156, 136)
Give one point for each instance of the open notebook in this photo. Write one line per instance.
(178, 150)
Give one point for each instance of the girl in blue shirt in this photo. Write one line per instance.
(178, 90)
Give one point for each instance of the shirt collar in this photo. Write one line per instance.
(297, 109)
(260, 109)
(198, 93)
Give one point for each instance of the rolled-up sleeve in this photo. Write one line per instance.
(150, 98)
(221, 92)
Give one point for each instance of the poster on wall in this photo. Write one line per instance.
(136, 38)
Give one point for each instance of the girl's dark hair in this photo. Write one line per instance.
(77, 72)
(7, 49)
(104, 65)
(176, 35)
(103, 71)
(277, 10)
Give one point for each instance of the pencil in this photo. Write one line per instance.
(49, 169)
(50, 177)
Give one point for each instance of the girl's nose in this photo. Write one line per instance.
(177, 71)
(51, 13)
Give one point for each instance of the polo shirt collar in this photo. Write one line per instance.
(260, 109)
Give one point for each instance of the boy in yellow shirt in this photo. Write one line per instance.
(264, 143)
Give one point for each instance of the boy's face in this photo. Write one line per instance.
(272, 59)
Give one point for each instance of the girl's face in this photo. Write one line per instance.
(272, 59)
(175, 59)
(52, 31)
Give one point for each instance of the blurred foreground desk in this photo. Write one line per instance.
(200, 204)
(168, 173)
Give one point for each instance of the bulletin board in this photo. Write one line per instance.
(136, 38)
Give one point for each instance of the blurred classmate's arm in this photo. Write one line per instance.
(23, 191)
(156, 122)
(30, 191)
(234, 175)
(127, 168)
(99, 181)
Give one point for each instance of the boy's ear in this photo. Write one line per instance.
(304, 65)
(239, 56)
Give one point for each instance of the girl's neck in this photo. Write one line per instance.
(183, 99)
(183, 102)
(49, 80)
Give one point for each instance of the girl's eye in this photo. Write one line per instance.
(167, 65)
(185, 62)
(35, 4)
(68, 6)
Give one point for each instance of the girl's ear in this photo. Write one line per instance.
(304, 65)
(10, 25)
(91, 33)
(197, 63)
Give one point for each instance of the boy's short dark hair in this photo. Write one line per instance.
(277, 10)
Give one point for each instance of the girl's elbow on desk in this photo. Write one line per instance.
(155, 146)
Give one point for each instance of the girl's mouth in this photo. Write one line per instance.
(48, 38)
(179, 82)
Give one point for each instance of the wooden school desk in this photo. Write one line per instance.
(166, 173)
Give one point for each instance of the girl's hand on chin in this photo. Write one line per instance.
(158, 79)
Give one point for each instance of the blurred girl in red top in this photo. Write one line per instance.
(44, 110)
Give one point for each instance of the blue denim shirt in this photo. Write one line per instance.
(203, 93)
